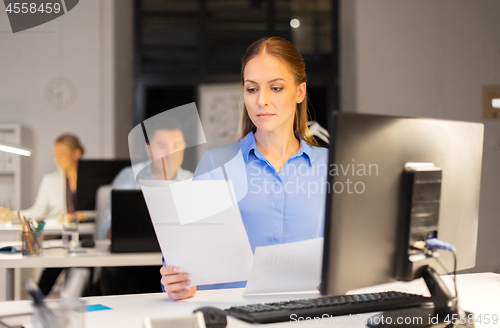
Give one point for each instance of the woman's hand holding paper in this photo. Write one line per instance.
(176, 283)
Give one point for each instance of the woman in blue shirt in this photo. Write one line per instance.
(279, 174)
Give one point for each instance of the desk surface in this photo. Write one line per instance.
(478, 293)
(98, 256)
(50, 229)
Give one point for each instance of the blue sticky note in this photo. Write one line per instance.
(77, 251)
(96, 307)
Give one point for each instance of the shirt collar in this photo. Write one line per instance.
(247, 144)
(149, 175)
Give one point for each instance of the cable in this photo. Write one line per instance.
(432, 244)
(454, 271)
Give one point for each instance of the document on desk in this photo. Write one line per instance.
(290, 267)
(199, 228)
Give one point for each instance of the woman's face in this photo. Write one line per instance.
(65, 157)
(271, 94)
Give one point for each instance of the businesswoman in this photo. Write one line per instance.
(56, 195)
(281, 176)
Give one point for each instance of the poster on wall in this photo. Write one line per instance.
(219, 110)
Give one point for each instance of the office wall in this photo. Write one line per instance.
(429, 59)
(92, 49)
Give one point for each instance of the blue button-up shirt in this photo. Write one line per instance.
(276, 207)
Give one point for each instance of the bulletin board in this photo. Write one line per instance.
(219, 107)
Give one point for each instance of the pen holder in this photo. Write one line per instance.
(32, 243)
(72, 313)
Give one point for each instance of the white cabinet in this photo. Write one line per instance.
(15, 170)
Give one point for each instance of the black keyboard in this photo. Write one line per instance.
(326, 305)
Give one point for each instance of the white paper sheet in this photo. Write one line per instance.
(287, 267)
(212, 250)
(211, 198)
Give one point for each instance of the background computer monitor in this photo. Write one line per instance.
(367, 158)
(131, 227)
(91, 175)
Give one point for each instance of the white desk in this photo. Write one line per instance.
(478, 293)
(59, 258)
(13, 231)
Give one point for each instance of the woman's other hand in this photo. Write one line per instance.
(176, 283)
(79, 215)
(71, 217)
(65, 218)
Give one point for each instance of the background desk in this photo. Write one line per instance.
(478, 293)
(13, 231)
(59, 258)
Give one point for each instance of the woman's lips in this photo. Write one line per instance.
(264, 115)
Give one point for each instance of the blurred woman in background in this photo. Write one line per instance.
(55, 199)
(56, 194)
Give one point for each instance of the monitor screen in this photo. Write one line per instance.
(91, 175)
(131, 227)
(367, 159)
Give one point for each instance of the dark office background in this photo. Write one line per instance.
(182, 44)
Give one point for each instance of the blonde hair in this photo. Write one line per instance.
(284, 50)
(71, 141)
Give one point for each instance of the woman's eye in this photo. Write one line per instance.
(276, 88)
(251, 90)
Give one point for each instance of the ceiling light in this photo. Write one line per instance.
(295, 23)
(15, 150)
(495, 102)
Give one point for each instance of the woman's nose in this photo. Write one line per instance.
(263, 98)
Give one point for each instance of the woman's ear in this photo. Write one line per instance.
(77, 154)
(301, 92)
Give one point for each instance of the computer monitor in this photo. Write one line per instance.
(367, 214)
(131, 227)
(91, 175)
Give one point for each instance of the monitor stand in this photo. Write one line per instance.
(446, 311)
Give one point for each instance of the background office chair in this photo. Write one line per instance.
(103, 210)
